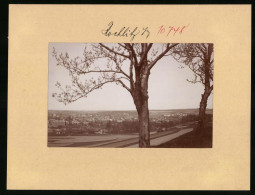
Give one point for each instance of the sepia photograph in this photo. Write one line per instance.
(130, 95)
(100, 98)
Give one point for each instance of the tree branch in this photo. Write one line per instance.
(161, 55)
(123, 85)
(133, 54)
(115, 52)
(132, 84)
(145, 54)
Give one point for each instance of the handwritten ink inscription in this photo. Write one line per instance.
(133, 32)
(126, 31)
(171, 30)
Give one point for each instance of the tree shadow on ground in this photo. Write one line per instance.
(195, 139)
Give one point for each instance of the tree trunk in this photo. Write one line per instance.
(141, 101)
(202, 109)
(208, 88)
(144, 127)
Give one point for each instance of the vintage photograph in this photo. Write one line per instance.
(130, 95)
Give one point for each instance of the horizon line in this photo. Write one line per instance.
(132, 109)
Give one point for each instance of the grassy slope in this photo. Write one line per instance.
(192, 140)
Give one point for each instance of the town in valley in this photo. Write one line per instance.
(101, 128)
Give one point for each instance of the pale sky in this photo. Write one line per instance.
(168, 87)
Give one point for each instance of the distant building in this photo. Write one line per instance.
(57, 123)
(75, 122)
(102, 131)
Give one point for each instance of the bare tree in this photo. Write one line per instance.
(141, 58)
(199, 58)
